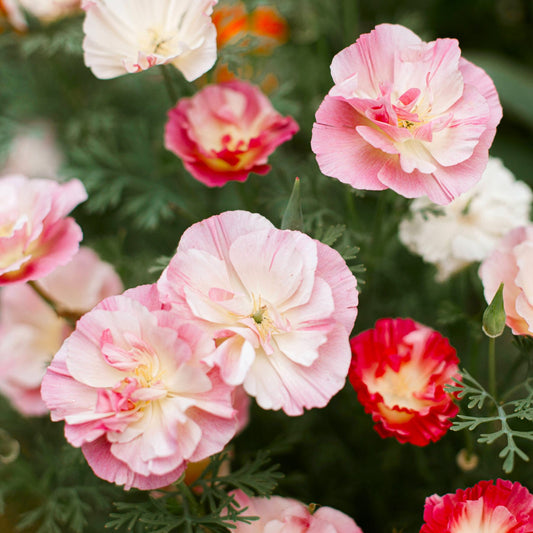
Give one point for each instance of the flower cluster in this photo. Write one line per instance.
(146, 382)
(399, 370)
(467, 229)
(407, 115)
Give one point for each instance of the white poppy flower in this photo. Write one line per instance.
(466, 230)
(123, 36)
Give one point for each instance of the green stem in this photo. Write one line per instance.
(191, 500)
(492, 367)
(70, 316)
(173, 95)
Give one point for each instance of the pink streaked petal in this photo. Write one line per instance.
(378, 139)
(234, 357)
(319, 308)
(302, 347)
(215, 235)
(108, 467)
(414, 155)
(432, 67)
(372, 56)
(332, 268)
(353, 160)
(280, 252)
(278, 383)
(414, 184)
(478, 78)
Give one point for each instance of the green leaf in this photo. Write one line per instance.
(293, 217)
(494, 315)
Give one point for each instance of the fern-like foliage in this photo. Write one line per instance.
(205, 505)
(498, 424)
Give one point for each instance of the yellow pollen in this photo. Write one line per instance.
(406, 124)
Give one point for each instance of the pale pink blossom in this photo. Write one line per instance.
(34, 152)
(279, 304)
(285, 515)
(31, 332)
(131, 385)
(511, 263)
(35, 234)
(123, 37)
(49, 10)
(226, 131)
(407, 115)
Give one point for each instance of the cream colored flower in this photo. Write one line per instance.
(466, 230)
(129, 36)
(49, 10)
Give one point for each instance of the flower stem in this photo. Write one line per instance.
(492, 367)
(70, 316)
(172, 94)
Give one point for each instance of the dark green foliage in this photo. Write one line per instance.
(206, 504)
(141, 200)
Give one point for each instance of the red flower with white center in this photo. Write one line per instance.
(399, 370)
(503, 507)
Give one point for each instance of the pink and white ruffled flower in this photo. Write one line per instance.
(500, 507)
(134, 393)
(123, 37)
(35, 236)
(279, 304)
(399, 370)
(226, 131)
(467, 229)
(31, 332)
(285, 515)
(407, 115)
(511, 263)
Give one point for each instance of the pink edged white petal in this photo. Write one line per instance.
(106, 466)
(142, 391)
(278, 383)
(280, 252)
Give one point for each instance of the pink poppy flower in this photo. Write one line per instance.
(31, 332)
(399, 370)
(279, 305)
(501, 507)
(134, 393)
(35, 236)
(285, 515)
(124, 37)
(226, 131)
(407, 115)
(510, 263)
